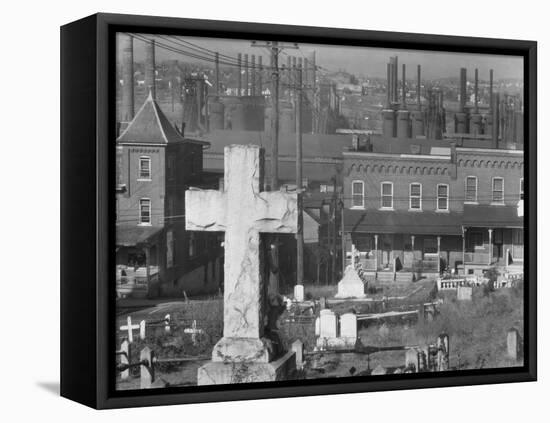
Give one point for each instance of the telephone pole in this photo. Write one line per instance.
(299, 183)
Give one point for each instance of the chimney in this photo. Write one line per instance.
(395, 81)
(127, 78)
(388, 114)
(418, 86)
(495, 118)
(150, 77)
(260, 70)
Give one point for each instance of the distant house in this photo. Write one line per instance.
(155, 255)
(422, 207)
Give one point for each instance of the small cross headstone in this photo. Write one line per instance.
(130, 328)
(193, 331)
(167, 323)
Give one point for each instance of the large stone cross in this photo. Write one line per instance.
(242, 211)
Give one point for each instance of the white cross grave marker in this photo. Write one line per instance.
(130, 328)
(242, 211)
(193, 331)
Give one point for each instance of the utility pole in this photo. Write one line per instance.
(299, 183)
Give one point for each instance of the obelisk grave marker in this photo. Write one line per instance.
(242, 211)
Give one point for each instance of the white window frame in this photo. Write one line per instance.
(521, 189)
(382, 207)
(493, 202)
(140, 177)
(466, 200)
(411, 197)
(362, 206)
(437, 197)
(141, 222)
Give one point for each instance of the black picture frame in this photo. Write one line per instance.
(87, 208)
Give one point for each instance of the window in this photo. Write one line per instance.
(471, 189)
(498, 191)
(145, 211)
(415, 196)
(357, 194)
(387, 195)
(442, 197)
(145, 167)
(521, 189)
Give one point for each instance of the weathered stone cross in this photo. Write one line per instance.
(242, 212)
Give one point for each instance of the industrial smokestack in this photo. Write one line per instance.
(260, 77)
(418, 85)
(246, 81)
(476, 119)
(239, 70)
(461, 118)
(462, 90)
(495, 118)
(404, 89)
(253, 70)
(403, 114)
(150, 77)
(388, 86)
(396, 81)
(127, 78)
(476, 93)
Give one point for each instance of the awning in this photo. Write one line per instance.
(492, 217)
(402, 222)
(131, 236)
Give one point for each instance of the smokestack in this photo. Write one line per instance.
(239, 70)
(395, 81)
(403, 114)
(260, 78)
(461, 118)
(150, 77)
(253, 70)
(388, 114)
(418, 86)
(495, 118)
(475, 119)
(246, 74)
(388, 88)
(127, 78)
(217, 75)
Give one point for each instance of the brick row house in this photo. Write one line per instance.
(420, 207)
(155, 255)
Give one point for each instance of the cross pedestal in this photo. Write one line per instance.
(242, 211)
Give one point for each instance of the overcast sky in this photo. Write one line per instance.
(359, 60)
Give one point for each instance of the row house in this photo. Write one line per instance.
(155, 255)
(418, 210)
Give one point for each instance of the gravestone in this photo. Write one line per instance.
(327, 324)
(242, 211)
(411, 360)
(464, 293)
(348, 329)
(351, 285)
(378, 370)
(512, 344)
(298, 348)
(299, 293)
(317, 326)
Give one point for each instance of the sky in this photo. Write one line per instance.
(365, 61)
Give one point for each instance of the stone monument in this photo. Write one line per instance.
(242, 211)
(351, 285)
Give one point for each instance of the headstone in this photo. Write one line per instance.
(299, 293)
(464, 293)
(327, 324)
(322, 303)
(194, 331)
(378, 370)
(142, 330)
(351, 285)
(147, 371)
(348, 328)
(167, 323)
(317, 326)
(411, 360)
(242, 211)
(125, 349)
(130, 328)
(443, 352)
(512, 344)
(298, 348)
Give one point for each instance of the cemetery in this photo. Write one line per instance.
(355, 328)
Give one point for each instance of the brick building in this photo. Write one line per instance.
(414, 207)
(154, 253)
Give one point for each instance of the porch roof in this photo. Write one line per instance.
(402, 222)
(492, 216)
(132, 235)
